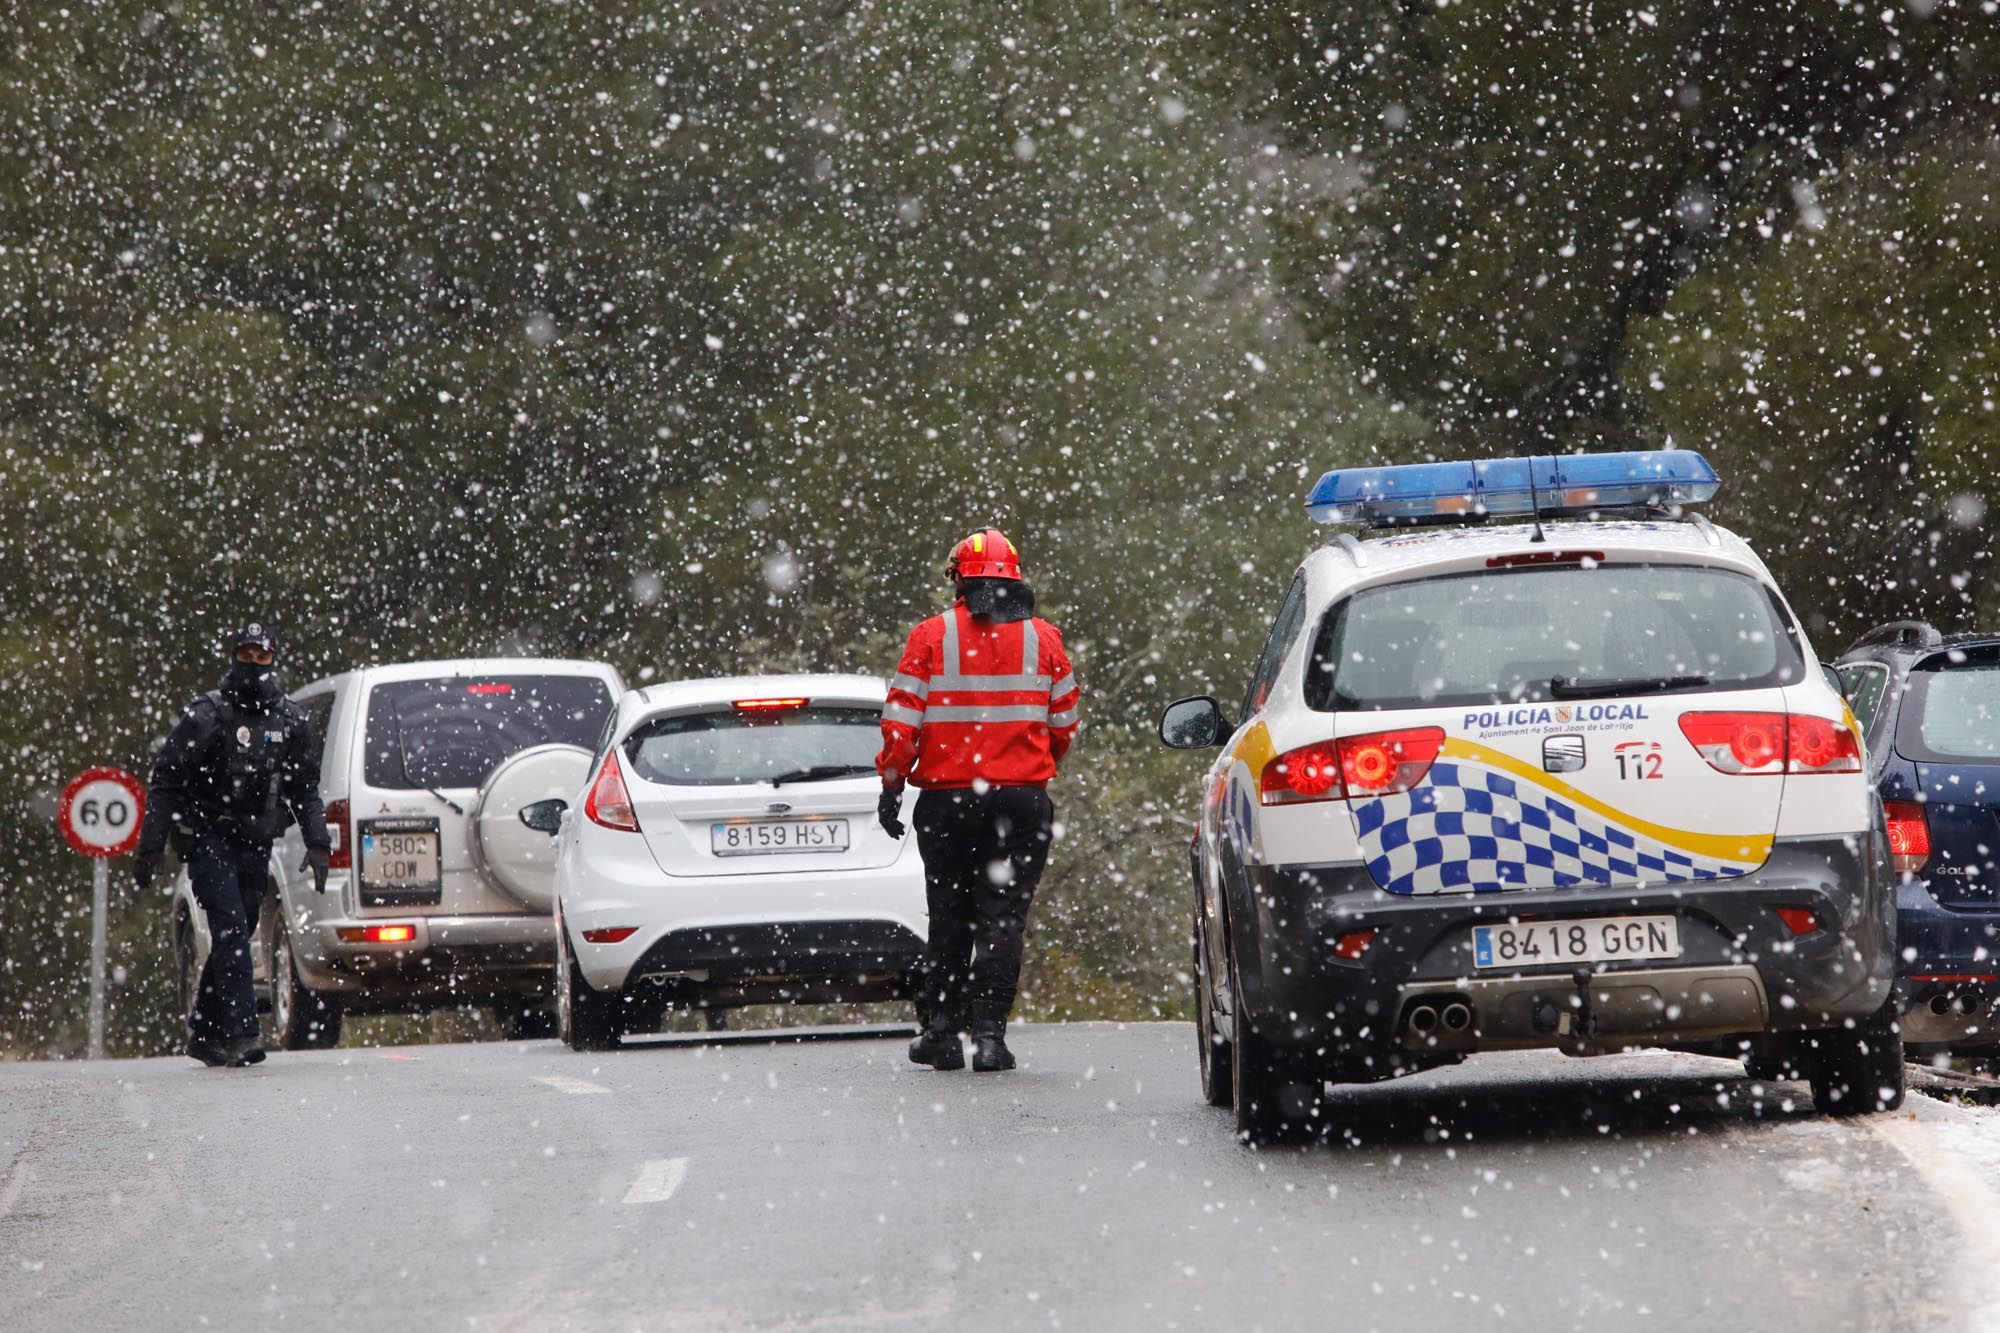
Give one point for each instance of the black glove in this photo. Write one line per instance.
(318, 858)
(143, 866)
(888, 808)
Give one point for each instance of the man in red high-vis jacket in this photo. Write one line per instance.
(982, 709)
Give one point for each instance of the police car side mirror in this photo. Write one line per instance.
(1193, 724)
(545, 816)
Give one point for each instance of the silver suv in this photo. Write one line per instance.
(440, 895)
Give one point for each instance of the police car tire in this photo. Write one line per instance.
(586, 1018)
(304, 1019)
(1274, 1103)
(1211, 1046)
(188, 974)
(1859, 1070)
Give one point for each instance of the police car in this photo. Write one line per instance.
(1573, 781)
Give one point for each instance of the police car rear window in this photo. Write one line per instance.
(1502, 635)
(1951, 709)
(729, 746)
(453, 731)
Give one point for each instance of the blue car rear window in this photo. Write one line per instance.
(1951, 710)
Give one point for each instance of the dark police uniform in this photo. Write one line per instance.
(238, 768)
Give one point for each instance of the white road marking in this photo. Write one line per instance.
(564, 1083)
(10, 1194)
(658, 1180)
(1972, 1203)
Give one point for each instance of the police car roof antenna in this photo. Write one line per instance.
(1535, 505)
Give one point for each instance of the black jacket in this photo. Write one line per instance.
(236, 773)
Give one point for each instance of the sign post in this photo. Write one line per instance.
(100, 814)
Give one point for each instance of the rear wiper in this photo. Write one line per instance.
(456, 808)
(1562, 687)
(821, 772)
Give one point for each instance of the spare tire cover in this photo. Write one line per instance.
(519, 860)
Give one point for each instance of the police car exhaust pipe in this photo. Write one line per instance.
(1423, 1020)
(1457, 1016)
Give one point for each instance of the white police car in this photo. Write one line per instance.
(1553, 783)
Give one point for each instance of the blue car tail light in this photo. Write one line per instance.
(1541, 484)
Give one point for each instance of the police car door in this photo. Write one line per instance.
(1558, 723)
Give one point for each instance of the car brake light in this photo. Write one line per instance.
(1377, 764)
(378, 934)
(1909, 836)
(339, 853)
(1353, 944)
(610, 934)
(768, 705)
(1759, 743)
(1798, 920)
(609, 804)
(497, 687)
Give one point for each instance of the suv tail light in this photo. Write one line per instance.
(1772, 743)
(1354, 766)
(340, 851)
(608, 803)
(1909, 836)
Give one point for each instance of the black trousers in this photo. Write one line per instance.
(228, 880)
(983, 857)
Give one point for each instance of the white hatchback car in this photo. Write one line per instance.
(727, 853)
(438, 896)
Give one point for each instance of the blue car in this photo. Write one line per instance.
(1929, 706)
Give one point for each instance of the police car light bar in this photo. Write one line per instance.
(1543, 484)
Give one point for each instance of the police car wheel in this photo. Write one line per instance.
(586, 1019)
(1859, 1070)
(1211, 1045)
(1274, 1103)
(188, 973)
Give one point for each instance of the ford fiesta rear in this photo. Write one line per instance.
(727, 853)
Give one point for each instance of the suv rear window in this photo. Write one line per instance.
(1496, 636)
(453, 731)
(1951, 709)
(725, 747)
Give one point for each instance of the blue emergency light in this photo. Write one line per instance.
(1544, 484)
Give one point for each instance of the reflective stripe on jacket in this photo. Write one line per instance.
(978, 700)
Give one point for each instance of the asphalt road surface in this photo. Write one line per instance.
(829, 1185)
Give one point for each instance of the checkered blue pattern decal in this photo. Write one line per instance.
(1469, 828)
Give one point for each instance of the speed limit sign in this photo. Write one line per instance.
(101, 810)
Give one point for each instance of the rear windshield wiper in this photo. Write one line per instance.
(820, 773)
(1562, 687)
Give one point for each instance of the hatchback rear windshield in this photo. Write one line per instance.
(452, 732)
(727, 747)
(1502, 635)
(1951, 709)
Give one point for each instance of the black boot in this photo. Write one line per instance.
(989, 1046)
(240, 1051)
(939, 1048)
(206, 1051)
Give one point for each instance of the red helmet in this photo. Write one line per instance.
(986, 554)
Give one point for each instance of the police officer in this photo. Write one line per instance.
(982, 709)
(238, 768)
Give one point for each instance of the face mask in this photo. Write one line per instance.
(254, 683)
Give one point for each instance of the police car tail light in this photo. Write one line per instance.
(339, 855)
(608, 803)
(1372, 765)
(1738, 742)
(1909, 836)
(1309, 773)
(1388, 761)
(1819, 745)
(1772, 743)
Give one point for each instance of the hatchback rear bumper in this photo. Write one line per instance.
(1741, 970)
(1948, 969)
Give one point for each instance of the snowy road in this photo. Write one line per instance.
(830, 1185)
